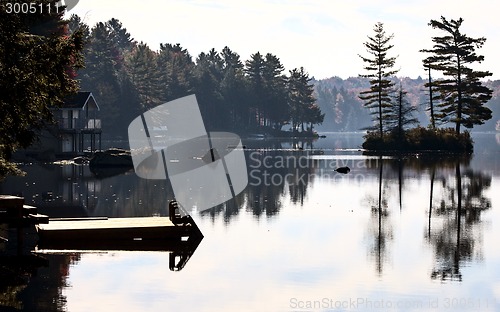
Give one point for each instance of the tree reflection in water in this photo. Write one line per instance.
(272, 174)
(380, 228)
(454, 209)
(458, 238)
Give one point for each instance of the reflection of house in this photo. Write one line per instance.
(77, 123)
(77, 129)
(57, 191)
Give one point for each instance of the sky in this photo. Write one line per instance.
(325, 37)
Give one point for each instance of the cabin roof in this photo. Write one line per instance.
(79, 100)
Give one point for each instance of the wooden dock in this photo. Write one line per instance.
(14, 212)
(17, 225)
(148, 233)
(22, 230)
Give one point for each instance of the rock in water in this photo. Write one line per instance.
(344, 170)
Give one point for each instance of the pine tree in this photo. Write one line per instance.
(176, 71)
(142, 71)
(75, 24)
(267, 86)
(379, 65)
(234, 88)
(303, 108)
(462, 94)
(254, 68)
(275, 97)
(119, 35)
(402, 114)
(433, 94)
(208, 75)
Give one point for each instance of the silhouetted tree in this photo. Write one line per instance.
(379, 65)
(142, 70)
(208, 74)
(433, 95)
(176, 71)
(462, 94)
(401, 114)
(275, 106)
(75, 24)
(234, 88)
(119, 35)
(302, 103)
(38, 60)
(254, 70)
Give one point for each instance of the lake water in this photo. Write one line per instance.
(395, 234)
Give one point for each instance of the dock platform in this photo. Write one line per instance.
(146, 233)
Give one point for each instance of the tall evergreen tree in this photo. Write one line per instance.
(433, 94)
(142, 70)
(176, 71)
(301, 100)
(75, 24)
(38, 60)
(234, 88)
(208, 75)
(254, 68)
(402, 113)
(462, 94)
(119, 35)
(379, 67)
(275, 106)
(267, 86)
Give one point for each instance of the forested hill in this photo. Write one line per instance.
(338, 100)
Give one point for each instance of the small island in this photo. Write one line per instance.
(420, 139)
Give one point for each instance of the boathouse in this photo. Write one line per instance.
(78, 125)
(77, 130)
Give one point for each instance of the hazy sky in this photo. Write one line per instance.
(325, 37)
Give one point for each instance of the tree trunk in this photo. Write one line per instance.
(400, 117)
(459, 96)
(380, 101)
(431, 103)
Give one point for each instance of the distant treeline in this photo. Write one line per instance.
(338, 100)
(128, 77)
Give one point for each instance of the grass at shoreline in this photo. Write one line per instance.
(420, 140)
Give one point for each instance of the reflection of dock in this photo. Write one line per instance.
(145, 234)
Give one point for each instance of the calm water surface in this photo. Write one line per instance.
(395, 234)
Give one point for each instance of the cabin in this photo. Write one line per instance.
(77, 130)
(78, 125)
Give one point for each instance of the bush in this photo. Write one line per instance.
(420, 139)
